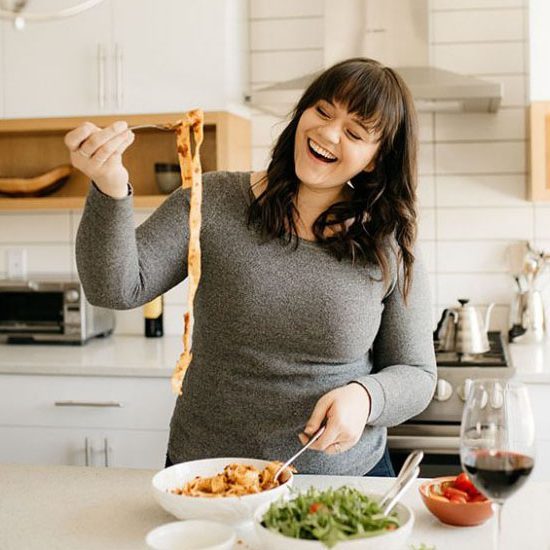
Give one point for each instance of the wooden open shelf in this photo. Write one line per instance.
(33, 146)
(539, 158)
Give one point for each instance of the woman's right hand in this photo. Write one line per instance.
(97, 152)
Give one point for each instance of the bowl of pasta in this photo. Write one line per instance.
(229, 490)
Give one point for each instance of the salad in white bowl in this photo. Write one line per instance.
(344, 518)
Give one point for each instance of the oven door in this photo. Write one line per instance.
(439, 442)
(25, 312)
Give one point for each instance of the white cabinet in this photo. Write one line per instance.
(128, 56)
(2, 70)
(56, 68)
(540, 397)
(539, 46)
(77, 420)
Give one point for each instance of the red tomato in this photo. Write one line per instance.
(463, 483)
(458, 499)
(450, 492)
(315, 507)
(478, 498)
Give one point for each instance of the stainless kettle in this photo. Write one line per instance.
(463, 330)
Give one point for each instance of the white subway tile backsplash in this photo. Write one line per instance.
(426, 191)
(475, 4)
(177, 295)
(477, 25)
(504, 124)
(425, 127)
(286, 34)
(484, 223)
(34, 228)
(426, 159)
(542, 221)
(480, 158)
(42, 258)
(472, 256)
(279, 66)
(130, 321)
(482, 190)
(479, 288)
(426, 223)
(427, 250)
(482, 59)
(173, 321)
(285, 8)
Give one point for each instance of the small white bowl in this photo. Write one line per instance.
(230, 510)
(392, 540)
(192, 535)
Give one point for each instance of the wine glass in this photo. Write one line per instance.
(497, 440)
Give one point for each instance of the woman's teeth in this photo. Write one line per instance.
(320, 152)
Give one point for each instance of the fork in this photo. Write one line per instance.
(167, 126)
(312, 440)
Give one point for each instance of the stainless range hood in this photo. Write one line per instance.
(396, 33)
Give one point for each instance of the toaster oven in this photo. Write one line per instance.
(50, 309)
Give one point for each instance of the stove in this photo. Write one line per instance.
(436, 431)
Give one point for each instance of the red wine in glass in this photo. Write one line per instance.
(498, 474)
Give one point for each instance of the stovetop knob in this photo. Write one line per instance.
(443, 390)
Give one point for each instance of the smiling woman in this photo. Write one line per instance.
(313, 305)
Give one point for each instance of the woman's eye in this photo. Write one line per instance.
(322, 112)
(353, 135)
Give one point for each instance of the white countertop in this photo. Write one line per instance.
(156, 357)
(68, 507)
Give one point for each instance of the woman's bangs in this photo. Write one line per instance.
(374, 100)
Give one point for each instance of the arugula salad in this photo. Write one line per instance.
(329, 516)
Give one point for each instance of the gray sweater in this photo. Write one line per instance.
(275, 328)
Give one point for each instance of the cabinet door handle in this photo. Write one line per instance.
(100, 404)
(101, 75)
(87, 452)
(118, 76)
(106, 451)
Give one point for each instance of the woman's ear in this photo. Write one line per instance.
(370, 166)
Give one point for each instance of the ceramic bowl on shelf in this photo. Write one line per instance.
(197, 534)
(168, 176)
(230, 510)
(453, 513)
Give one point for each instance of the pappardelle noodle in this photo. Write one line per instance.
(329, 516)
(235, 480)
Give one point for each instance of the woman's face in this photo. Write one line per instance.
(332, 146)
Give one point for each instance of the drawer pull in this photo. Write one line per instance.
(101, 404)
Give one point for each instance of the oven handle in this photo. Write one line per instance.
(426, 443)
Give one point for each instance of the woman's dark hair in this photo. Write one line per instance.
(382, 205)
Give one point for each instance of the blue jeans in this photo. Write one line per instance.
(383, 468)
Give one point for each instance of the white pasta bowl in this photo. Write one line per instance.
(390, 540)
(230, 510)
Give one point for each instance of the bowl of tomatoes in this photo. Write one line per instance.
(455, 500)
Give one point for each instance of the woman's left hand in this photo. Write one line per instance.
(346, 410)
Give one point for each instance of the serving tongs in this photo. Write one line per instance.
(408, 473)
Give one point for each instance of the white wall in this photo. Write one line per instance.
(472, 166)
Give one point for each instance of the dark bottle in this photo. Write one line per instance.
(152, 312)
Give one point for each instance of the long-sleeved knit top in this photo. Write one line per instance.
(276, 327)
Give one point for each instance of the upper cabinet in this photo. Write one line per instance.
(2, 79)
(125, 56)
(539, 90)
(58, 67)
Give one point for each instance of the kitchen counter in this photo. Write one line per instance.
(68, 507)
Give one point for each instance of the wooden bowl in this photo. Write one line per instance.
(454, 513)
(38, 186)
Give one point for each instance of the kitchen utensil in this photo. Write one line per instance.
(168, 127)
(200, 533)
(312, 440)
(529, 321)
(408, 473)
(466, 333)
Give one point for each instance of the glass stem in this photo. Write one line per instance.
(498, 525)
